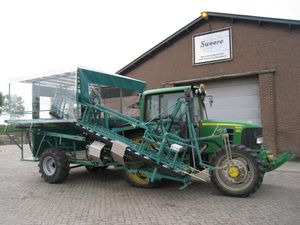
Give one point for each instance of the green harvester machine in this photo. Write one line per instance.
(164, 134)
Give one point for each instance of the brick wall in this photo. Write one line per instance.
(255, 47)
(267, 99)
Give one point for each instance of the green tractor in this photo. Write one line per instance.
(168, 136)
(250, 160)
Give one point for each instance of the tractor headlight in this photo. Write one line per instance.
(259, 140)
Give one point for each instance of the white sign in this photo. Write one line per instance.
(212, 46)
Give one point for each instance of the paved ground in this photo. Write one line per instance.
(105, 198)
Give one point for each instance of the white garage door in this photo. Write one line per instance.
(234, 99)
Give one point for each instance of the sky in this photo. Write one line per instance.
(48, 36)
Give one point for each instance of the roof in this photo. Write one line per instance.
(66, 79)
(166, 89)
(193, 25)
(97, 76)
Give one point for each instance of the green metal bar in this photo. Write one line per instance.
(40, 145)
(131, 120)
(175, 112)
(193, 137)
(154, 174)
(84, 163)
(106, 120)
(9, 102)
(29, 160)
(84, 114)
(161, 148)
(64, 136)
(13, 140)
(175, 158)
(89, 163)
(121, 100)
(120, 129)
(185, 180)
(22, 144)
(5, 129)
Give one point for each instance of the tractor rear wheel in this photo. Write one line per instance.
(240, 176)
(54, 165)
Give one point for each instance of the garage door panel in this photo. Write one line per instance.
(228, 91)
(237, 110)
(241, 113)
(235, 99)
(238, 100)
(234, 83)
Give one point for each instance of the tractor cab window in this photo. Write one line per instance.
(152, 107)
(164, 104)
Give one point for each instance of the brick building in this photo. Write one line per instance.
(250, 65)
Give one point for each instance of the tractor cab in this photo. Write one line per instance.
(161, 102)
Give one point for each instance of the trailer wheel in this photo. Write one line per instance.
(54, 166)
(240, 177)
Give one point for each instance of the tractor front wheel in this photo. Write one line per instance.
(54, 165)
(240, 176)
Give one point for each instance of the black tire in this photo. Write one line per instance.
(240, 179)
(139, 179)
(95, 168)
(54, 165)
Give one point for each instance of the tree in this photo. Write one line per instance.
(13, 105)
(1, 102)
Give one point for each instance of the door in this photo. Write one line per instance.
(234, 99)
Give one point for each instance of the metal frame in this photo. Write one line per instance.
(156, 148)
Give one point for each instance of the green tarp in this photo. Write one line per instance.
(109, 80)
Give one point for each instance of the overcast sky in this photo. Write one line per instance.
(44, 36)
